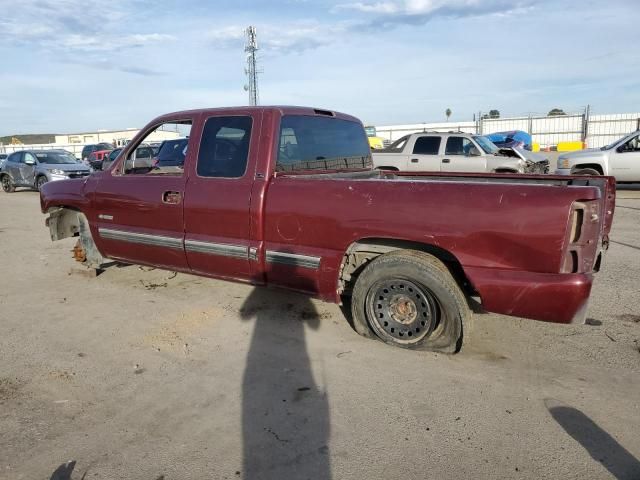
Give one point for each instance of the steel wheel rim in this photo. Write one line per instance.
(41, 182)
(401, 311)
(5, 183)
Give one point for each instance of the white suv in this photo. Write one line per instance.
(456, 152)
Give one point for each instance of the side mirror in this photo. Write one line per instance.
(621, 149)
(474, 152)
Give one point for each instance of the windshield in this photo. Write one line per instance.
(55, 158)
(487, 145)
(619, 141)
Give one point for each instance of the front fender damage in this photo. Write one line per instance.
(65, 223)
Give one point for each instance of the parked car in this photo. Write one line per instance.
(3, 158)
(89, 149)
(511, 139)
(620, 159)
(287, 196)
(375, 142)
(34, 168)
(453, 152)
(171, 153)
(96, 158)
(109, 159)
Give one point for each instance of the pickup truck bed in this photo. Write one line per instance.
(411, 249)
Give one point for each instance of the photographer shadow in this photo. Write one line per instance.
(285, 415)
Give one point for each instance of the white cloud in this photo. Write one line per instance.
(278, 39)
(421, 11)
(73, 26)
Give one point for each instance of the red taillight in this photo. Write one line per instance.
(583, 238)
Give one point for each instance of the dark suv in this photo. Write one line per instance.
(89, 149)
(171, 153)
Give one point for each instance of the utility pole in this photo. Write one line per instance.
(251, 70)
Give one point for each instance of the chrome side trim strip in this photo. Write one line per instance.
(141, 238)
(293, 259)
(223, 249)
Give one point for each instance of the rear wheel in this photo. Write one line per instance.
(586, 171)
(7, 184)
(40, 181)
(409, 299)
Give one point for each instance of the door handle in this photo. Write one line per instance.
(414, 160)
(171, 197)
(446, 160)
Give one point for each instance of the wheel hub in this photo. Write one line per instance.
(401, 311)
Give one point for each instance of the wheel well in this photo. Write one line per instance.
(360, 253)
(594, 166)
(63, 222)
(391, 169)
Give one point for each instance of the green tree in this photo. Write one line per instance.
(448, 113)
(554, 112)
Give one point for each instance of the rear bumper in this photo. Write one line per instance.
(558, 298)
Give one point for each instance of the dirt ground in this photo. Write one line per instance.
(145, 374)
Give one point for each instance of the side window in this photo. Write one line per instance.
(321, 143)
(28, 157)
(141, 161)
(632, 145)
(458, 146)
(427, 145)
(15, 157)
(224, 148)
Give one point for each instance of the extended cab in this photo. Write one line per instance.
(621, 159)
(455, 152)
(287, 196)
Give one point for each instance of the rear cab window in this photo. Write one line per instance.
(321, 143)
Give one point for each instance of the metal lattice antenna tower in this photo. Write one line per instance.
(251, 70)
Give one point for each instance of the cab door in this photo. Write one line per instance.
(424, 154)
(458, 156)
(139, 211)
(217, 208)
(624, 162)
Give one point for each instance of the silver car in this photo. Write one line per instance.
(34, 168)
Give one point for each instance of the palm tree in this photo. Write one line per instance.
(448, 113)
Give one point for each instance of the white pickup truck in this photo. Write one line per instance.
(455, 152)
(621, 160)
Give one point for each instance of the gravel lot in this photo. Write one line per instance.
(145, 374)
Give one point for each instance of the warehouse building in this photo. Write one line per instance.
(118, 138)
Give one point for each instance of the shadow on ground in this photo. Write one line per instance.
(285, 415)
(602, 447)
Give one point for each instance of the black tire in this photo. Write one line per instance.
(409, 299)
(7, 184)
(586, 171)
(40, 181)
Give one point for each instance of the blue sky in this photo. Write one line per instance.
(77, 65)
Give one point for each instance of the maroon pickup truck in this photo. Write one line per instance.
(287, 196)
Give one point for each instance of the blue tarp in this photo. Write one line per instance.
(513, 138)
